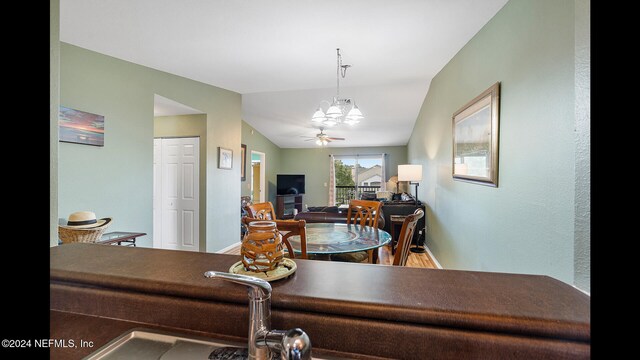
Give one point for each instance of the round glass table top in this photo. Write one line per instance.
(330, 238)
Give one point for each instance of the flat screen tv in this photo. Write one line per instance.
(290, 184)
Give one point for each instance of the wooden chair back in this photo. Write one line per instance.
(364, 212)
(261, 211)
(406, 236)
(288, 228)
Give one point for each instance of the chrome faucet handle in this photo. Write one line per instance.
(292, 344)
(258, 288)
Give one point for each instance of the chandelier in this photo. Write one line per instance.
(342, 110)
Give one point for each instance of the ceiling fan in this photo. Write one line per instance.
(322, 138)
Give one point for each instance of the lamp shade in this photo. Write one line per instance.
(318, 116)
(330, 122)
(355, 113)
(334, 112)
(350, 121)
(409, 172)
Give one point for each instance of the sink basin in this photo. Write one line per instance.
(150, 344)
(143, 344)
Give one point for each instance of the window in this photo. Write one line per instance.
(367, 171)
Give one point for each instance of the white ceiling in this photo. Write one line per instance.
(163, 106)
(280, 54)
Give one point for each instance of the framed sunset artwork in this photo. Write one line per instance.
(80, 127)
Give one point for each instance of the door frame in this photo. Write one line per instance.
(263, 182)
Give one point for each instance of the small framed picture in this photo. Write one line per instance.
(225, 158)
(243, 159)
(475, 139)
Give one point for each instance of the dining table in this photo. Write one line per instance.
(325, 239)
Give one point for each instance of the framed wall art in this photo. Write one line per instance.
(225, 158)
(80, 127)
(475, 139)
(243, 159)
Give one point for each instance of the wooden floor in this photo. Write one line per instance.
(422, 260)
(415, 260)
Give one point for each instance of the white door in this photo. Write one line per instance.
(179, 193)
(157, 193)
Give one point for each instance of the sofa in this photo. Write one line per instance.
(331, 214)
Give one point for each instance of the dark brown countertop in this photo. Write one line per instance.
(495, 302)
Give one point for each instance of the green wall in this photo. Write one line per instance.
(54, 102)
(189, 126)
(257, 142)
(526, 225)
(117, 179)
(314, 163)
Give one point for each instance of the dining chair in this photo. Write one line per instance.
(288, 228)
(406, 237)
(363, 213)
(291, 228)
(261, 211)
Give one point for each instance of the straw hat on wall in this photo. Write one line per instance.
(82, 226)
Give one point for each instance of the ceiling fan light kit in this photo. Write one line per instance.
(335, 114)
(323, 139)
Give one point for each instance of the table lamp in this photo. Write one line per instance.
(410, 173)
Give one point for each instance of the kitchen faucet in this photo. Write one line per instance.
(292, 344)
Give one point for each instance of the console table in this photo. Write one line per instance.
(396, 221)
(119, 237)
(287, 206)
(390, 208)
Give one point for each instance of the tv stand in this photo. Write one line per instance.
(285, 204)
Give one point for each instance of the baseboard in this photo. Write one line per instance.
(229, 249)
(583, 291)
(435, 261)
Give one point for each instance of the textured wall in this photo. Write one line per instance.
(189, 126)
(117, 179)
(582, 250)
(54, 101)
(526, 225)
(314, 163)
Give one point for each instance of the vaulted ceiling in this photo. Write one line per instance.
(280, 54)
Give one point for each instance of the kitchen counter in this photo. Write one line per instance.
(386, 311)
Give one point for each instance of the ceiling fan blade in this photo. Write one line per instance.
(334, 138)
(310, 139)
